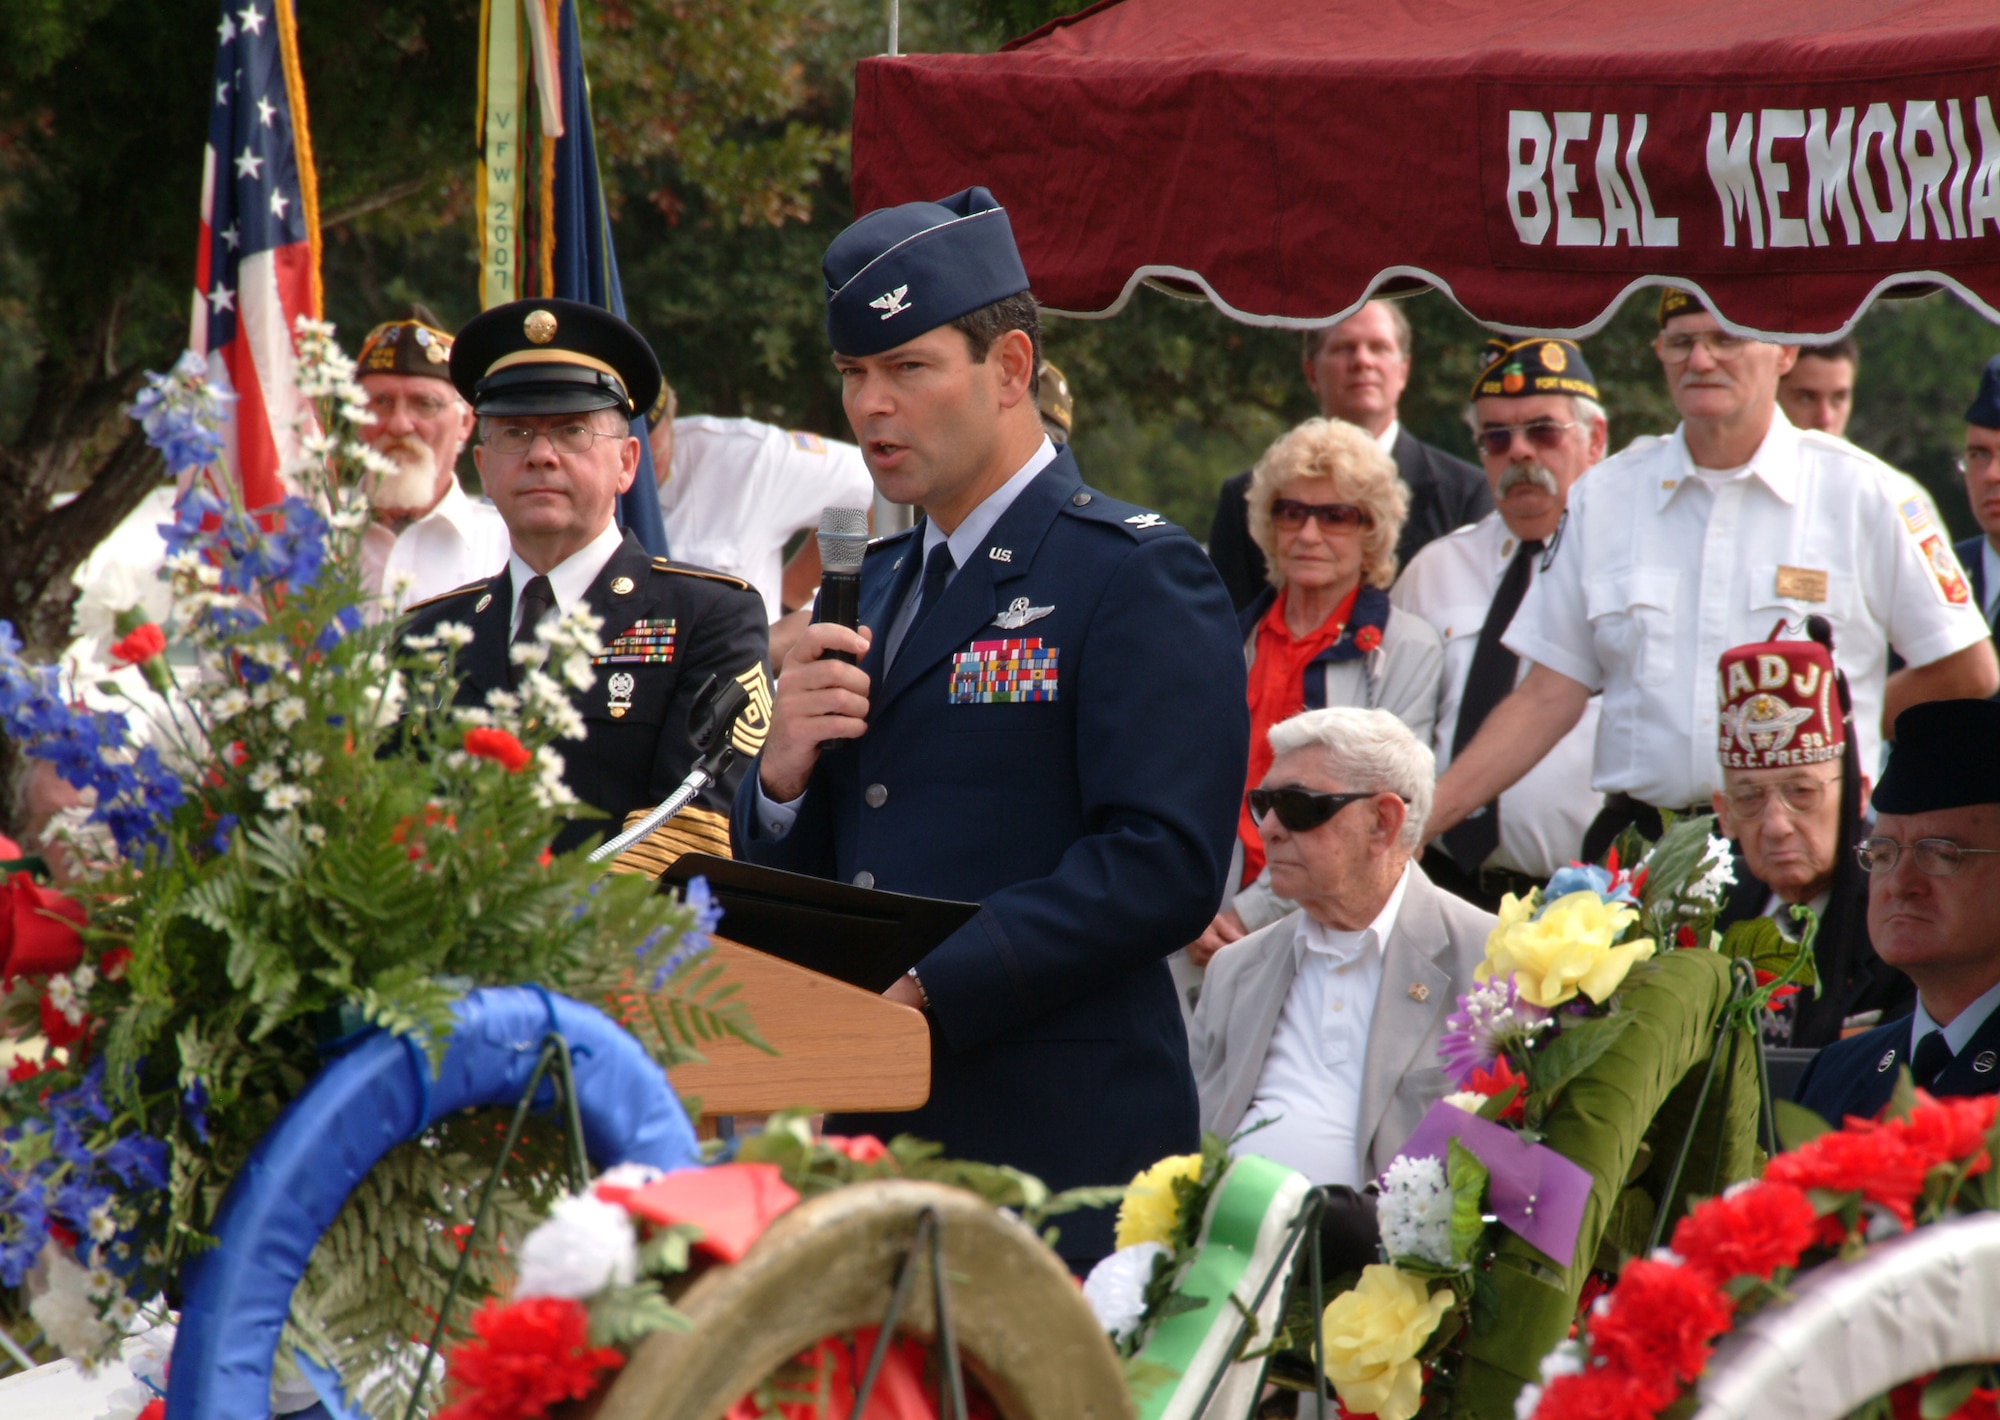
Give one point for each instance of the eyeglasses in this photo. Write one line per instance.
(1497, 439)
(1801, 796)
(1302, 810)
(519, 438)
(1290, 514)
(1939, 857)
(1723, 346)
(1976, 460)
(420, 406)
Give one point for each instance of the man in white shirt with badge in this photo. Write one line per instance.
(1679, 548)
(1536, 418)
(427, 535)
(1323, 1027)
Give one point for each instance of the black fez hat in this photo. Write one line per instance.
(1985, 411)
(900, 271)
(414, 345)
(1522, 368)
(551, 356)
(1946, 756)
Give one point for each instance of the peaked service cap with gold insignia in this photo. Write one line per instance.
(551, 356)
(1518, 369)
(414, 345)
(900, 271)
(1782, 704)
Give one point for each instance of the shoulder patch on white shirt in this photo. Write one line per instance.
(807, 442)
(1916, 517)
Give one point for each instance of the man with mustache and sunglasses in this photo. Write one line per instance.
(1538, 424)
(1677, 549)
(1326, 1023)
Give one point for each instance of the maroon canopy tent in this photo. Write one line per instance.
(1791, 159)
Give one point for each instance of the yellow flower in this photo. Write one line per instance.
(1371, 1337)
(1149, 1212)
(1565, 950)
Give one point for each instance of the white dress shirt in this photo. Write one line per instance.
(1310, 1087)
(1963, 1026)
(1451, 583)
(1658, 572)
(1386, 440)
(741, 488)
(775, 820)
(570, 578)
(460, 540)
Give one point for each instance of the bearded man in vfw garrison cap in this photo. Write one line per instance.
(1047, 718)
(555, 385)
(1793, 798)
(1933, 863)
(426, 535)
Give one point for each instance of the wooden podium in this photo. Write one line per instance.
(840, 1048)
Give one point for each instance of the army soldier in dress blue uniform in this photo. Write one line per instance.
(1047, 719)
(555, 384)
(1933, 913)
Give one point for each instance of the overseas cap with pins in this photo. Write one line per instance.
(900, 271)
(551, 356)
(414, 345)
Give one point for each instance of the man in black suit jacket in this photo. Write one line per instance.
(1933, 912)
(1357, 370)
(1980, 463)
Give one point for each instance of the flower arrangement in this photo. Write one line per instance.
(1648, 1339)
(302, 839)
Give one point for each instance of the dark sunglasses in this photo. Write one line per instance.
(1290, 514)
(1301, 810)
(1541, 433)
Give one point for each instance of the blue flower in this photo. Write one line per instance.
(336, 630)
(693, 941)
(86, 1098)
(194, 1108)
(137, 1156)
(1588, 877)
(182, 414)
(219, 840)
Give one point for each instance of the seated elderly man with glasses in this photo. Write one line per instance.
(1326, 1023)
(1793, 798)
(1933, 862)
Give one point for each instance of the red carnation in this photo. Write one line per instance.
(861, 1148)
(1861, 1158)
(25, 1068)
(56, 1028)
(1684, 939)
(498, 746)
(1367, 638)
(523, 1359)
(1948, 1131)
(140, 646)
(38, 934)
(1658, 1323)
(1497, 1079)
(1603, 1394)
(111, 966)
(1754, 1231)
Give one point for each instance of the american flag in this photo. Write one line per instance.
(258, 268)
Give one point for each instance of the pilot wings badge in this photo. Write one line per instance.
(891, 303)
(1018, 614)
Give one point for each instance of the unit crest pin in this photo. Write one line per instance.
(621, 586)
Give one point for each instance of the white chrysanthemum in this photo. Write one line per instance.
(103, 1227)
(348, 519)
(228, 705)
(1414, 1211)
(566, 721)
(585, 1246)
(503, 702)
(265, 776)
(527, 653)
(61, 992)
(290, 711)
(65, 1311)
(315, 833)
(119, 586)
(550, 791)
(387, 695)
(1720, 876)
(287, 797)
(576, 670)
(307, 763)
(1471, 1101)
(454, 634)
(1116, 1287)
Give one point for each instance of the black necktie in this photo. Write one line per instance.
(938, 568)
(1933, 1056)
(1487, 683)
(538, 599)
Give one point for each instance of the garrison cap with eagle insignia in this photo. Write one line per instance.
(900, 271)
(1518, 369)
(551, 356)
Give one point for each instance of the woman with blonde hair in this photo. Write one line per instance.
(1325, 508)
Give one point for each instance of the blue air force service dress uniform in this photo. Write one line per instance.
(1059, 737)
(666, 627)
(1944, 758)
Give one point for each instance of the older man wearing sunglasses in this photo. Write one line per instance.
(1324, 1025)
(1539, 427)
(1933, 866)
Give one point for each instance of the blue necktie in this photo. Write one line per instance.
(938, 568)
(1932, 1059)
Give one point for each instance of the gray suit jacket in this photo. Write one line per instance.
(1437, 942)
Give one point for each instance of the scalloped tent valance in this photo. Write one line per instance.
(1289, 158)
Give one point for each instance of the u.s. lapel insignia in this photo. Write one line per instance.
(1018, 614)
(621, 586)
(1000, 554)
(1147, 520)
(1419, 991)
(483, 603)
(620, 687)
(1882, 1065)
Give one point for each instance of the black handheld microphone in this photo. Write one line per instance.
(843, 542)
